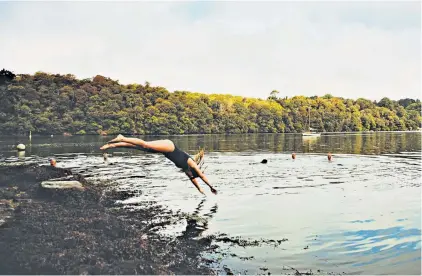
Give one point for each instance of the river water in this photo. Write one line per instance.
(358, 214)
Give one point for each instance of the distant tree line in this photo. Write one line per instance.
(52, 104)
(6, 76)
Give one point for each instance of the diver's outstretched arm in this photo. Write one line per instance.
(193, 165)
(194, 182)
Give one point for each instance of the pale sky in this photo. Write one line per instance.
(348, 49)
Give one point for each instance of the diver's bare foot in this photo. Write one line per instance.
(106, 146)
(214, 191)
(119, 138)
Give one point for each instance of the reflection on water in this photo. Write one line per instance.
(351, 143)
(197, 224)
(367, 249)
(358, 214)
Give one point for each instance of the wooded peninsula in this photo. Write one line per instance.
(54, 104)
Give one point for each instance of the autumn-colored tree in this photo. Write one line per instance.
(51, 103)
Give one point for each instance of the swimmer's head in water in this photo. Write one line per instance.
(53, 162)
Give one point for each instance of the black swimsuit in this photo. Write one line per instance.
(177, 156)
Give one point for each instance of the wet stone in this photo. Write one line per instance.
(62, 185)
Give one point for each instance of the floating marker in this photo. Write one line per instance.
(20, 147)
(21, 154)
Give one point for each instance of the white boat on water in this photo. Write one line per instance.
(312, 132)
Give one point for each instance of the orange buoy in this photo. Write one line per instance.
(293, 155)
(329, 156)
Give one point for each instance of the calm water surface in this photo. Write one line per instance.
(359, 214)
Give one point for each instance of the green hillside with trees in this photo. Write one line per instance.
(53, 104)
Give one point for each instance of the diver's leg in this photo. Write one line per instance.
(158, 145)
(118, 145)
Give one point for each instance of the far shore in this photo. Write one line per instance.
(211, 134)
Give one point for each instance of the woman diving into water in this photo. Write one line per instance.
(180, 158)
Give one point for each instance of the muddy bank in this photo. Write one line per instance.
(48, 231)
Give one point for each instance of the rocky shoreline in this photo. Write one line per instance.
(53, 231)
(85, 231)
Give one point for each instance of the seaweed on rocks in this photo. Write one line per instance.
(238, 241)
(50, 231)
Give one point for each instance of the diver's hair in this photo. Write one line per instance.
(199, 158)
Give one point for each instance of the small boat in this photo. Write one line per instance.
(311, 132)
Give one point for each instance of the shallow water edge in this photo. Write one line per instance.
(87, 232)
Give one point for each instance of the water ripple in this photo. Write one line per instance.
(356, 214)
